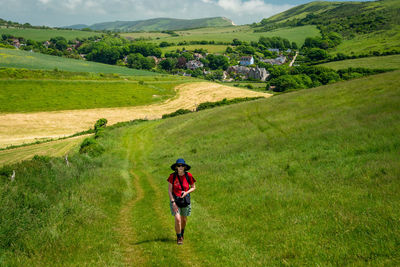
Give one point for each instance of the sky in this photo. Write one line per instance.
(56, 13)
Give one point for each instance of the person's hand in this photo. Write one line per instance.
(175, 207)
(184, 194)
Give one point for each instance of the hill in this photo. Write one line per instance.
(158, 24)
(42, 35)
(346, 18)
(12, 58)
(311, 175)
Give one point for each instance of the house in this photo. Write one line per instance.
(276, 61)
(16, 43)
(198, 55)
(273, 50)
(194, 64)
(46, 44)
(245, 61)
(253, 73)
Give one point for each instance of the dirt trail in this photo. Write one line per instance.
(18, 128)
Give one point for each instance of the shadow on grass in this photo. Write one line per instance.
(163, 240)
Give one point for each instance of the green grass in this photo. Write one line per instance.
(49, 95)
(227, 34)
(386, 62)
(302, 179)
(217, 49)
(47, 34)
(378, 41)
(11, 58)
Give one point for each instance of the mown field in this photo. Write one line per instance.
(217, 49)
(308, 178)
(227, 34)
(11, 58)
(58, 148)
(47, 34)
(386, 62)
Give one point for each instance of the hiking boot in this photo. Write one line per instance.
(180, 241)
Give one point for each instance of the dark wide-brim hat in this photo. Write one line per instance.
(180, 161)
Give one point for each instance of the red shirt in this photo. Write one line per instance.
(176, 187)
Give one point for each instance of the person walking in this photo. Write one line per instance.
(181, 184)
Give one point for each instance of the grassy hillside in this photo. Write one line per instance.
(161, 24)
(227, 34)
(46, 34)
(386, 62)
(304, 178)
(11, 58)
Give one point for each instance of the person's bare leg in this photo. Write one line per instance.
(183, 222)
(178, 224)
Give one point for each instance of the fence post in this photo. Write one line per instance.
(13, 176)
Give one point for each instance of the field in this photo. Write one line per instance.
(47, 34)
(378, 41)
(386, 62)
(218, 49)
(227, 34)
(308, 178)
(18, 128)
(52, 95)
(54, 149)
(11, 58)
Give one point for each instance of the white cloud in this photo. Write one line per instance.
(68, 12)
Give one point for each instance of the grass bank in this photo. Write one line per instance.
(42, 35)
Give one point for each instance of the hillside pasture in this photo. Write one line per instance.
(384, 62)
(12, 58)
(365, 43)
(308, 178)
(18, 128)
(42, 35)
(227, 34)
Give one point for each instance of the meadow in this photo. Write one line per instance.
(384, 62)
(215, 49)
(308, 178)
(227, 34)
(46, 34)
(12, 58)
(50, 95)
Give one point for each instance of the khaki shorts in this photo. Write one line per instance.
(182, 211)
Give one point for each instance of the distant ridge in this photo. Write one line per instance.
(158, 24)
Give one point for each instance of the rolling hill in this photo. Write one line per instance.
(305, 178)
(157, 24)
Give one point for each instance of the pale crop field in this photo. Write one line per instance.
(18, 128)
(56, 148)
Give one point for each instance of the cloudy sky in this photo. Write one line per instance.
(68, 12)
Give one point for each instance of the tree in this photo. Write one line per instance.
(217, 62)
(168, 64)
(317, 54)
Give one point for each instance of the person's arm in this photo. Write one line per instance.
(171, 197)
(192, 188)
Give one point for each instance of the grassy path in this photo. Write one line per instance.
(146, 229)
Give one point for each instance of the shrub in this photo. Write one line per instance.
(91, 147)
(176, 113)
(101, 123)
